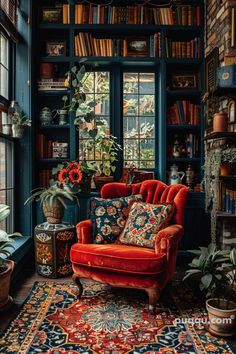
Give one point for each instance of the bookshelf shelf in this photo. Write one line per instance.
(54, 126)
(55, 59)
(131, 28)
(52, 160)
(183, 93)
(53, 92)
(184, 160)
(147, 61)
(185, 127)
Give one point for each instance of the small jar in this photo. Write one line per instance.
(220, 122)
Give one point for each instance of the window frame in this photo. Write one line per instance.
(9, 141)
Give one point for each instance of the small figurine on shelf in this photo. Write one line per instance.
(175, 176)
(176, 150)
(189, 177)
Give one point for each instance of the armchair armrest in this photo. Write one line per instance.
(167, 242)
(84, 231)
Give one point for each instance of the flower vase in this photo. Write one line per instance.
(17, 130)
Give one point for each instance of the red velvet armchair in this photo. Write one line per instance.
(131, 266)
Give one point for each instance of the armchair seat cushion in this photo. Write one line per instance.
(119, 258)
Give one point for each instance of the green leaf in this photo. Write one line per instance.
(206, 280)
(233, 256)
(190, 273)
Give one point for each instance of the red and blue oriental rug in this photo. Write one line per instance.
(109, 321)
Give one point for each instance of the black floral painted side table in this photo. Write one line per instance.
(52, 249)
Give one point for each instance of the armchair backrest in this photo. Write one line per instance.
(153, 191)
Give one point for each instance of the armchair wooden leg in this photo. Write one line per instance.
(153, 295)
(79, 285)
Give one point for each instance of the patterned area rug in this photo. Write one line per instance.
(109, 320)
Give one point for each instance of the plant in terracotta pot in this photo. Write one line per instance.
(52, 200)
(216, 271)
(6, 265)
(19, 122)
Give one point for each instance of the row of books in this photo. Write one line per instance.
(139, 14)
(192, 145)
(87, 45)
(51, 84)
(186, 49)
(44, 178)
(183, 112)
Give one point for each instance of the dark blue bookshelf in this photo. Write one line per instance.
(164, 68)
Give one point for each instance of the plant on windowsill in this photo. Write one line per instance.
(6, 265)
(52, 200)
(19, 122)
(217, 277)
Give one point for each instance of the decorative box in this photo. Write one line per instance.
(52, 249)
(226, 76)
(59, 149)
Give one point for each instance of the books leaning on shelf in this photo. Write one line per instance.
(183, 112)
(47, 149)
(185, 15)
(87, 45)
(183, 49)
(51, 84)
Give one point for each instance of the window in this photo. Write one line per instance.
(7, 179)
(97, 90)
(139, 119)
(4, 66)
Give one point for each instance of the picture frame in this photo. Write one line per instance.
(52, 15)
(211, 65)
(186, 81)
(56, 48)
(138, 47)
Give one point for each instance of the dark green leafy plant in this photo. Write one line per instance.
(5, 239)
(216, 270)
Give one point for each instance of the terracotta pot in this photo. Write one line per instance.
(53, 213)
(225, 169)
(222, 317)
(100, 181)
(220, 122)
(5, 278)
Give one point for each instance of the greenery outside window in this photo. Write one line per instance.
(139, 119)
(97, 90)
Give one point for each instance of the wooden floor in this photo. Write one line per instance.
(22, 290)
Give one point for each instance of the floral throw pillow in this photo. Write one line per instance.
(144, 222)
(109, 217)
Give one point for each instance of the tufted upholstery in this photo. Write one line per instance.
(130, 266)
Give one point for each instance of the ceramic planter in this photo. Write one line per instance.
(17, 130)
(5, 279)
(63, 116)
(53, 213)
(222, 317)
(220, 122)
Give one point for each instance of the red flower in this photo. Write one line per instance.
(75, 175)
(74, 165)
(62, 176)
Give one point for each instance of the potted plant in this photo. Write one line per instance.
(6, 265)
(52, 200)
(216, 271)
(19, 122)
(74, 176)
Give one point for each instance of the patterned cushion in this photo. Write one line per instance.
(144, 222)
(109, 217)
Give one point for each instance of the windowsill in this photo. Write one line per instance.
(22, 246)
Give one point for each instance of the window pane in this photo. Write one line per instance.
(97, 89)
(139, 119)
(4, 81)
(4, 51)
(6, 179)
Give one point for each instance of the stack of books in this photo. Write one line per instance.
(51, 84)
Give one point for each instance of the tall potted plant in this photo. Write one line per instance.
(6, 265)
(216, 273)
(52, 200)
(19, 122)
